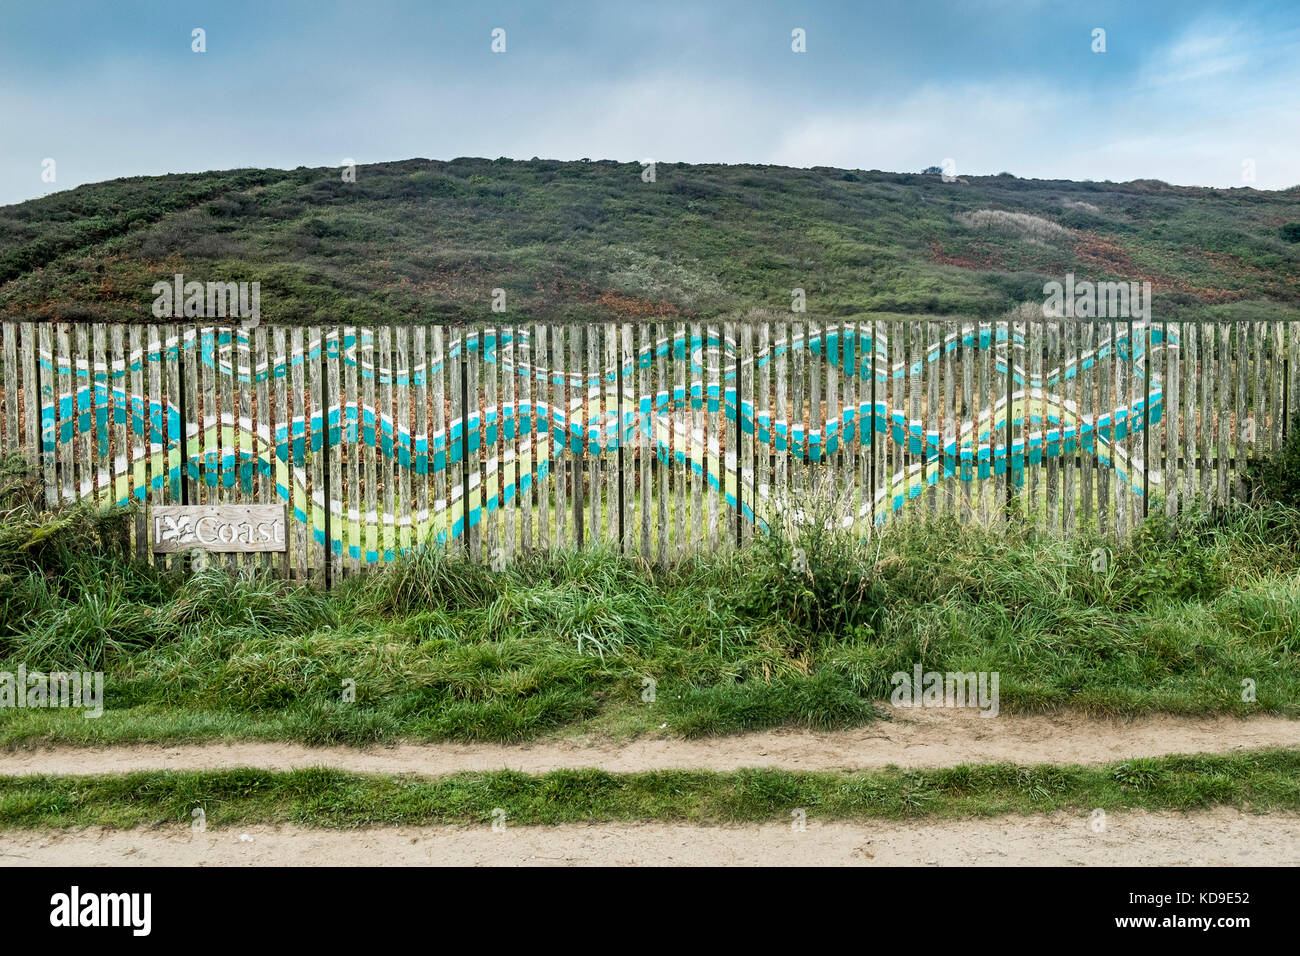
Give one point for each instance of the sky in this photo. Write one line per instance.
(1188, 92)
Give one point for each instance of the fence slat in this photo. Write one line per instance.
(332, 400)
(1279, 372)
(1192, 411)
(1291, 378)
(661, 335)
(609, 442)
(747, 447)
(289, 394)
(930, 415)
(1222, 406)
(540, 432)
(137, 436)
(640, 404)
(558, 365)
(873, 396)
(9, 332)
(507, 356)
(278, 478)
(66, 398)
(440, 449)
(1052, 391)
(33, 355)
(494, 445)
(604, 509)
(1172, 401)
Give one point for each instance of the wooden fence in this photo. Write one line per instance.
(659, 438)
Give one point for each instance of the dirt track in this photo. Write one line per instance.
(1216, 837)
(929, 738)
(915, 738)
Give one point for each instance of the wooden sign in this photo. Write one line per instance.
(227, 528)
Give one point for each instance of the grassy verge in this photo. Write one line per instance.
(1259, 781)
(437, 648)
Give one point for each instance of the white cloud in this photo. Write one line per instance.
(1193, 113)
(1207, 50)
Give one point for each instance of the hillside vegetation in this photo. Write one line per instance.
(421, 240)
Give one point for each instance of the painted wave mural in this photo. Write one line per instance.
(86, 398)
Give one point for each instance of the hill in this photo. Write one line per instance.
(422, 240)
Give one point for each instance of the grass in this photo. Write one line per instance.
(1258, 781)
(437, 648)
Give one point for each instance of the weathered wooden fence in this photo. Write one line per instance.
(661, 438)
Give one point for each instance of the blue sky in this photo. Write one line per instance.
(1186, 92)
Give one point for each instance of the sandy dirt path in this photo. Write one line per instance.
(914, 739)
(1215, 837)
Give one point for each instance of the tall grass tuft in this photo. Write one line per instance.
(428, 578)
(813, 571)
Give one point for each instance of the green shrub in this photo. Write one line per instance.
(812, 572)
(1168, 559)
(56, 541)
(1277, 478)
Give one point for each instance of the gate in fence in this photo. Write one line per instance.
(658, 438)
